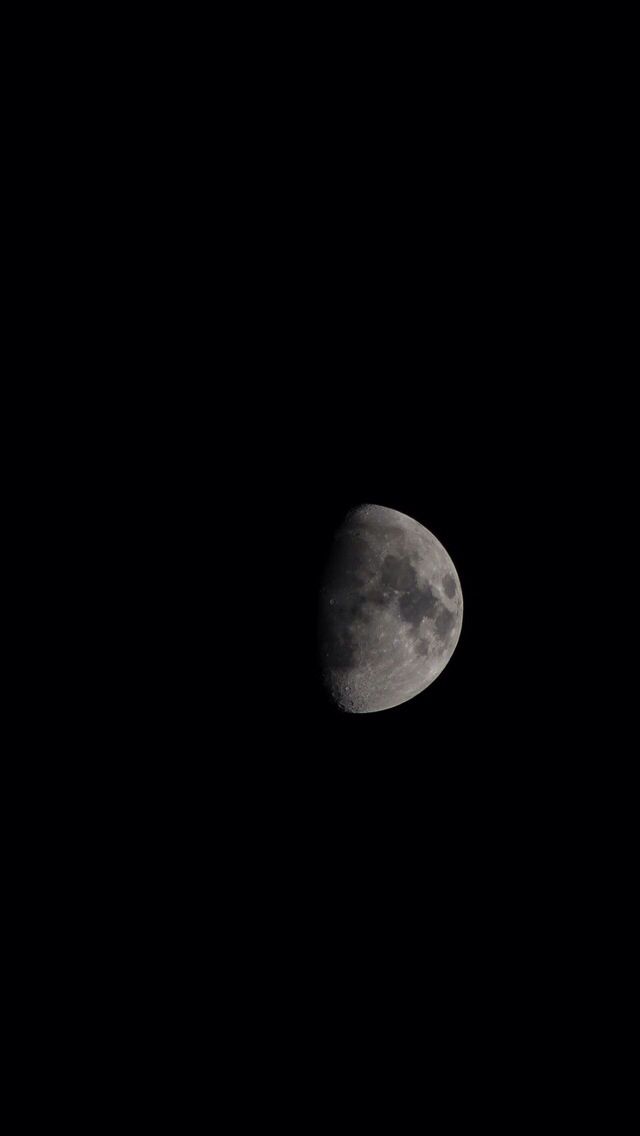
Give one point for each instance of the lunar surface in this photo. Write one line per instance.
(390, 610)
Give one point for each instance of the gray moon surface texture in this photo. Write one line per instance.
(390, 610)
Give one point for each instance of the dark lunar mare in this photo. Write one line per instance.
(398, 573)
(449, 586)
(346, 596)
(417, 604)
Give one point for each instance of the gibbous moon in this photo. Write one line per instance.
(390, 610)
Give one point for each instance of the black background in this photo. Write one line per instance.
(434, 830)
(447, 852)
(376, 276)
(406, 311)
(426, 350)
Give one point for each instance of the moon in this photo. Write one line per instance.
(390, 610)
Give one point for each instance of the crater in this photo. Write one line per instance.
(449, 586)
